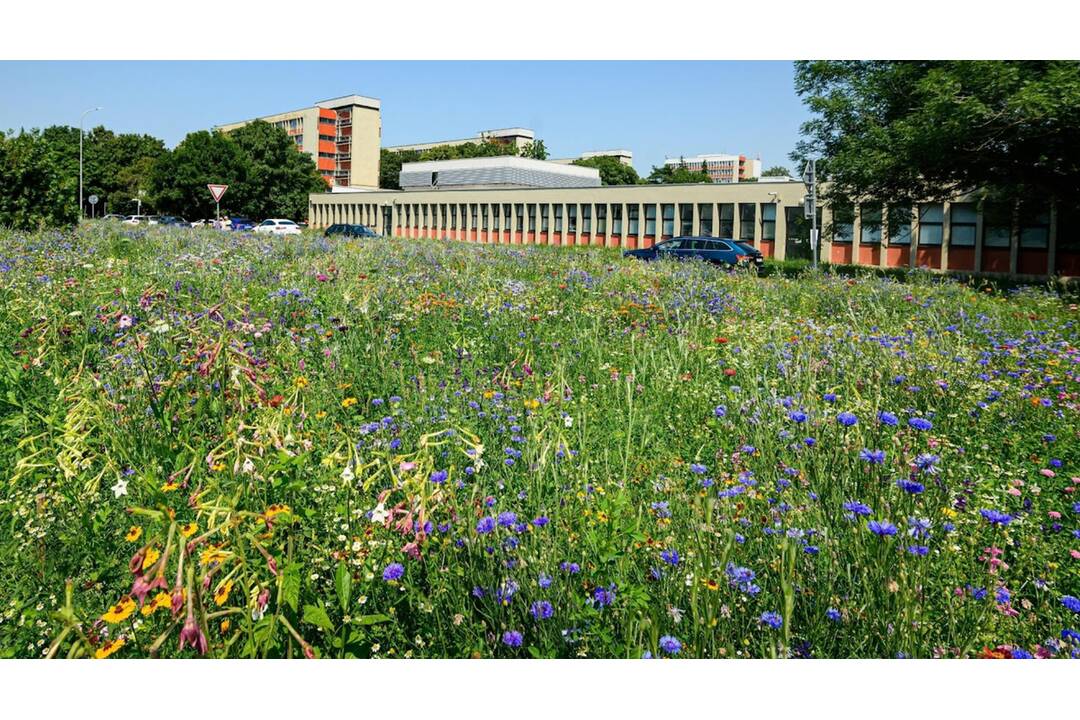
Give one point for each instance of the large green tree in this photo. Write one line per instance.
(536, 150)
(278, 178)
(38, 187)
(180, 177)
(612, 171)
(677, 174)
(776, 171)
(928, 129)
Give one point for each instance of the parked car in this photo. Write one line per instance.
(114, 216)
(241, 223)
(719, 251)
(204, 222)
(277, 226)
(141, 220)
(351, 231)
(173, 220)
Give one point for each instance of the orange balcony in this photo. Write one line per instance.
(327, 163)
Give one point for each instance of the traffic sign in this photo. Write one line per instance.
(217, 191)
(809, 172)
(93, 199)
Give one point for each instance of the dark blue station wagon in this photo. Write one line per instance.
(719, 251)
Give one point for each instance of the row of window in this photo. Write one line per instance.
(1034, 224)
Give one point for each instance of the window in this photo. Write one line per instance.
(632, 222)
(453, 217)
(571, 218)
(843, 223)
(425, 212)
(997, 224)
(686, 219)
(506, 216)
(586, 218)
(461, 212)
(532, 218)
(962, 218)
(747, 218)
(768, 221)
(668, 211)
(483, 216)
(931, 218)
(705, 218)
(442, 216)
(1068, 227)
(727, 221)
(900, 225)
(473, 211)
(519, 212)
(601, 219)
(616, 219)
(1034, 226)
(544, 210)
(495, 218)
(408, 216)
(650, 219)
(870, 223)
(558, 217)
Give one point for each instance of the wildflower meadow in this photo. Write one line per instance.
(229, 445)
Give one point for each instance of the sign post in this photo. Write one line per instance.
(217, 191)
(810, 206)
(93, 201)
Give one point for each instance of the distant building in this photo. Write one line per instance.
(516, 136)
(720, 168)
(342, 135)
(624, 156)
(504, 172)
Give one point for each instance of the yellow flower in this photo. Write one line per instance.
(218, 467)
(170, 486)
(532, 404)
(348, 402)
(320, 415)
(949, 512)
(225, 625)
(301, 382)
(488, 394)
(277, 509)
(711, 584)
(109, 648)
(152, 556)
(162, 599)
(120, 611)
(133, 534)
(222, 593)
(188, 529)
(211, 555)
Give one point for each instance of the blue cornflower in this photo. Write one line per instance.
(541, 610)
(771, 619)
(1071, 603)
(887, 418)
(995, 517)
(920, 423)
(797, 415)
(512, 638)
(671, 557)
(393, 571)
(604, 596)
(829, 397)
(544, 581)
(979, 593)
(910, 486)
(809, 442)
(540, 521)
(858, 508)
(918, 549)
(833, 614)
(439, 476)
(742, 578)
(1002, 595)
(670, 645)
(1020, 654)
(918, 527)
(486, 525)
(720, 411)
(1070, 636)
(881, 528)
(698, 468)
(661, 509)
(847, 419)
(507, 518)
(926, 462)
(571, 567)
(874, 457)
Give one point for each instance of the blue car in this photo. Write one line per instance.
(241, 223)
(718, 251)
(362, 231)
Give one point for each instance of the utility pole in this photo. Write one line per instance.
(82, 117)
(810, 207)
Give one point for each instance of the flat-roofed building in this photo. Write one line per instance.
(342, 135)
(516, 136)
(720, 168)
(499, 172)
(968, 234)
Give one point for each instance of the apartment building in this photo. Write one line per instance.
(342, 135)
(720, 168)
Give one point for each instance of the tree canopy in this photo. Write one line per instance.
(390, 161)
(612, 171)
(677, 174)
(907, 131)
(535, 150)
(776, 171)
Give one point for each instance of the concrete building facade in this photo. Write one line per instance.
(500, 172)
(342, 135)
(965, 235)
(720, 168)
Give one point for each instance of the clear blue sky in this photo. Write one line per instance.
(655, 109)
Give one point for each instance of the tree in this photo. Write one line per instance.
(278, 178)
(390, 161)
(535, 150)
(179, 178)
(777, 171)
(677, 174)
(612, 172)
(39, 190)
(908, 131)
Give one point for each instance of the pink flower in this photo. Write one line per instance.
(406, 466)
(1054, 514)
(125, 322)
(1015, 491)
(192, 635)
(1075, 554)
(1048, 472)
(177, 600)
(321, 277)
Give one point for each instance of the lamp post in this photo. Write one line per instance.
(81, 118)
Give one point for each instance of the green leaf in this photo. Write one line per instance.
(372, 619)
(290, 585)
(343, 585)
(316, 615)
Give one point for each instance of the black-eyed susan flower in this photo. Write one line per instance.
(150, 558)
(221, 595)
(120, 611)
(161, 600)
(133, 534)
(109, 648)
(348, 402)
(189, 529)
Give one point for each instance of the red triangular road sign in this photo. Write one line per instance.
(217, 191)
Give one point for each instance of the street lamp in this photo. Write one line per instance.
(81, 118)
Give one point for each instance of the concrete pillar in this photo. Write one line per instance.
(1014, 239)
(914, 234)
(979, 224)
(825, 240)
(856, 235)
(946, 234)
(623, 222)
(780, 233)
(883, 256)
(1051, 243)
(695, 219)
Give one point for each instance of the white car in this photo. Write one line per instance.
(277, 226)
(141, 220)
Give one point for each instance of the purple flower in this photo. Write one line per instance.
(994, 517)
(833, 614)
(874, 457)
(920, 423)
(670, 645)
(512, 638)
(544, 581)
(439, 476)
(720, 411)
(541, 610)
(881, 528)
(918, 549)
(571, 567)
(506, 519)
(858, 508)
(540, 521)
(698, 468)
(771, 619)
(910, 486)
(797, 415)
(486, 525)
(887, 418)
(847, 419)
(393, 571)
(671, 557)
(603, 597)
